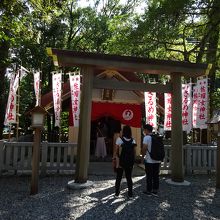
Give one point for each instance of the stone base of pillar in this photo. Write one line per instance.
(72, 185)
(171, 182)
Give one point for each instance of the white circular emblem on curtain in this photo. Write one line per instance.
(127, 114)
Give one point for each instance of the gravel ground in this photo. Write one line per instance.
(54, 201)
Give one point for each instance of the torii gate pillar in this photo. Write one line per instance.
(177, 172)
(83, 147)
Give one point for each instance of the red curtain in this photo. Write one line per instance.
(129, 114)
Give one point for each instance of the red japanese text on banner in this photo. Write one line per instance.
(187, 107)
(168, 112)
(10, 116)
(200, 104)
(195, 106)
(75, 98)
(57, 81)
(37, 87)
(150, 108)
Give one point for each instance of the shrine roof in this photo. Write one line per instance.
(69, 58)
(47, 99)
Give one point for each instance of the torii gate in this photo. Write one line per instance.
(89, 62)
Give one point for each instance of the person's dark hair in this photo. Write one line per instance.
(126, 132)
(148, 127)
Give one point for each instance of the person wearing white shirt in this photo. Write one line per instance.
(152, 167)
(124, 156)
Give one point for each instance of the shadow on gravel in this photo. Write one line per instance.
(17, 203)
(200, 200)
(54, 201)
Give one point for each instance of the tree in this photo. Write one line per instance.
(184, 30)
(11, 25)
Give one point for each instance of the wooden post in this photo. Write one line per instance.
(1, 156)
(83, 147)
(177, 173)
(35, 162)
(218, 159)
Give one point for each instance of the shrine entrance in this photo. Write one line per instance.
(110, 128)
(89, 62)
(107, 119)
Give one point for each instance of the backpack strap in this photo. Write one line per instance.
(151, 142)
(124, 141)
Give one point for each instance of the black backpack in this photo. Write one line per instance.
(157, 148)
(126, 158)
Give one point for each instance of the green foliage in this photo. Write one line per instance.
(64, 122)
(216, 101)
(184, 30)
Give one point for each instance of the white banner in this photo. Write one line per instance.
(150, 108)
(57, 82)
(10, 116)
(167, 112)
(75, 97)
(11, 109)
(200, 104)
(187, 107)
(16, 82)
(195, 106)
(37, 87)
(23, 72)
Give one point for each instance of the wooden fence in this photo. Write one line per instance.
(17, 156)
(195, 158)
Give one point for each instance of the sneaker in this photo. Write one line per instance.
(130, 195)
(116, 194)
(147, 193)
(155, 194)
